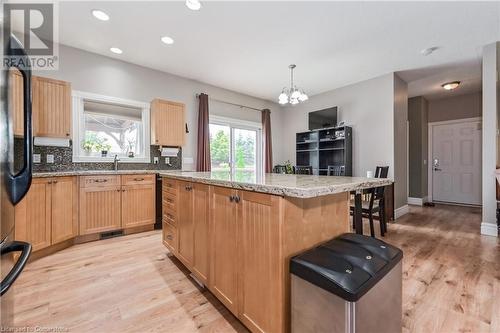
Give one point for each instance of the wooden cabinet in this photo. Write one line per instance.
(185, 223)
(111, 202)
(64, 193)
(51, 100)
(260, 273)
(100, 204)
(224, 247)
(167, 123)
(16, 101)
(48, 213)
(138, 200)
(201, 218)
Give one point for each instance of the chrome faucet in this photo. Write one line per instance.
(116, 162)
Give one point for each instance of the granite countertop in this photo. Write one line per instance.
(298, 186)
(91, 172)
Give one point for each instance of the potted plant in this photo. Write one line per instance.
(105, 147)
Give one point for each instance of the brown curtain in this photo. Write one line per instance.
(203, 153)
(266, 140)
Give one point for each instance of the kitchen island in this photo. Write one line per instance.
(236, 234)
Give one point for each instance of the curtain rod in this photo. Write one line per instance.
(234, 104)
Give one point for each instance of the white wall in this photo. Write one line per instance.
(491, 60)
(456, 107)
(94, 73)
(400, 142)
(366, 106)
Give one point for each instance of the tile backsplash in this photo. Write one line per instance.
(63, 160)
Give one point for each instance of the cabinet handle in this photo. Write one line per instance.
(237, 199)
(123, 190)
(169, 237)
(170, 216)
(118, 190)
(170, 200)
(49, 182)
(231, 198)
(188, 188)
(54, 182)
(67, 134)
(100, 180)
(169, 185)
(138, 179)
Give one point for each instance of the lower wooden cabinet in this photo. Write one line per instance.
(112, 202)
(48, 213)
(185, 223)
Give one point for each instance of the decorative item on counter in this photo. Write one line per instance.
(130, 154)
(289, 168)
(104, 153)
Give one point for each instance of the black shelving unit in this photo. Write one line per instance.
(324, 147)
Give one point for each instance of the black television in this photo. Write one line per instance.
(323, 118)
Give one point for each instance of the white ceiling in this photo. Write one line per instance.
(247, 46)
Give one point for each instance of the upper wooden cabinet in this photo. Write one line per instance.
(51, 101)
(16, 101)
(167, 123)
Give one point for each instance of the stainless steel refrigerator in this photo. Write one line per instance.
(15, 174)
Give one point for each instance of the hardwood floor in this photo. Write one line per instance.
(451, 282)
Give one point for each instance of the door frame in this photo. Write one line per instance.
(233, 123)
(431, 126)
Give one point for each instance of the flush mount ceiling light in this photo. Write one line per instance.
(193, 4)
(292, 95)
(429, 50)
(100, 15)
(450, 85)
(167, 40)
(116, 50)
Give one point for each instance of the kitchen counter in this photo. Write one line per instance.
(297, 186)
(91, 172)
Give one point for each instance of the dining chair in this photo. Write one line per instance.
(375, 203)
(336, 170)
(302, 170)
(279, 169)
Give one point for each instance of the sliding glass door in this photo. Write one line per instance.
(235, 148)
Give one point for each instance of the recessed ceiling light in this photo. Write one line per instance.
(116, 50)
(193, 4)
(450, 85)
(429, 50)
(167, 40)
(100, 15)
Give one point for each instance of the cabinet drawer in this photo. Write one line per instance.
(138, 179)
(169, 201)
(99, 181)
(170, 237)
(170, 216)
(169, 186)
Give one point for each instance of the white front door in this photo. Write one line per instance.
(456, 162)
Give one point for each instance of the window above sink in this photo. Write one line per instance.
(107, 126)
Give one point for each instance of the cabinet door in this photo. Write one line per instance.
(100, 209)
(185, 226)
(33, 215)
(167, 123)
(51, 107)
(138, 205)
(16, 101)
(224, 245)
(261, 271)
(64, 209)
(201, 215)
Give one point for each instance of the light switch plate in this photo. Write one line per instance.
(37, 158)
(156, 160)
(167, 160)
(50, 158)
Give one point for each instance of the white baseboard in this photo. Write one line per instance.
(415, 201)
(403, 210)
(489, 229)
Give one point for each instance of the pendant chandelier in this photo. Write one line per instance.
(292, 95)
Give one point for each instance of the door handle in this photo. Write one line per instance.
(437, 169)
(18, 185)
(14, 273)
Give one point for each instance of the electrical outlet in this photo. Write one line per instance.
(37, 158)
(50, 158)
(156, 160)
(167, 160)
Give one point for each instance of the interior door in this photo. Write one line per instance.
(456, 163)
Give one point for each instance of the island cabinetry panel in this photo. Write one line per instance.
(47, 215)
(223, 280)
(201, 218)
